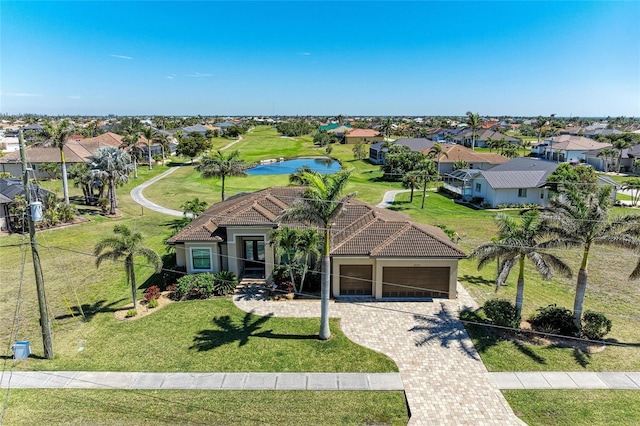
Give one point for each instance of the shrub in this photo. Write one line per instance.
(196, 286)
(553, 319)
(152, 293)
(153, 303)
(131, 313)
(595, 325)
(225, 283)
(502, 312)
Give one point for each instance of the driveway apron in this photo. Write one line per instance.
(445, 381)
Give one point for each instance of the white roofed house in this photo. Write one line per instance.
(571, 149)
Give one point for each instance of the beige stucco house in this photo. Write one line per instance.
(375, 252)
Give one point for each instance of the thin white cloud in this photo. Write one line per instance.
(171, 76)
(74, 97)
(121, 57)
(22, 95)
(199, 74)
(306, 54)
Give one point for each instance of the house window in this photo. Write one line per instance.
(542, 195)
(522, 192)
(201, 258)
(478, 187)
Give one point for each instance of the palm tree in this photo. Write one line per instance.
(582, 220)
(58, 136)
(411, 180)
(297, 177)
(307, 250)
(426, 172)
(126, 244)
(608, 154)
(515, 243)
(149, 134)
(620, 145)
(130, 144)
(221, 165)
(321, 204)
(165, 144)
(474, 122)
(436, 152)
(632, 185)
(285, 240)
(113, 165)
(386, 127)
(539, 124)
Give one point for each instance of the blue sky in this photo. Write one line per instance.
(353, 58)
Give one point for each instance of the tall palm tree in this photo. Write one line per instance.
(608, 154)
(58, 136)
(321, 204)
(221, 165)
(411, 180)
(113, 165)
(126, 245)
(426, 172)
(149, 134)
(620, 145)
(539, 124)
(515, 243)
(386, 127)
(473, 119)
(436, 152)
(165, 143)
(582, 220)
(130, 144)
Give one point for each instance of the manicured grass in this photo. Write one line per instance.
(576, 407)
(131, 407)
(209, 335)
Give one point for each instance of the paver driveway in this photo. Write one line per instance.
(445, 381)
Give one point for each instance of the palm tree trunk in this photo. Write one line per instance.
(112, 196)
(411, 197)
(135, 167)
(520, 288)
(149, 155)
(305, 268)
(132, 278)
(222, 187)
(581, 289)
(424, 190)
(325, 332)
(162, 148)
(65, 184)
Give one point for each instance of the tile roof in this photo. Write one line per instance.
(363, 133)
(575, 143)
(455, 152)
(362, 230)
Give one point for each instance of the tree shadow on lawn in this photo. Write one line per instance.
(228, 332)
(476, 279)
(88, 311)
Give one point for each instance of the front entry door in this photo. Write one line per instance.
(253, 254)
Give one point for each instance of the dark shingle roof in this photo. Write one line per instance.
(362, 230)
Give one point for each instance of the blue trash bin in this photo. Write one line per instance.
(21, 349)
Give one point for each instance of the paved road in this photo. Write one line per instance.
(138, 197)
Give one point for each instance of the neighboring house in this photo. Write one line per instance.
(340, 131)
(354, 136)
(10, 188)
(482, 137)
(75, 151)
(518, 181)
(602, 163)
(197, 128)
(332, 126)
(569, 148)
(453, 153)
(378, 151)
(224, 126)
(375, 252)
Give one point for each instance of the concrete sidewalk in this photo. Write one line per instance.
(201, 381)
(566, 380)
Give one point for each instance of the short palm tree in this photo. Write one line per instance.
(516, 242)
(307, 251)
(582, 220)
(221, 165)
(58, 136)
(112, 165)
(126, 245)
(539, 124)
(435, 153)
(321, 204)
(285, 241)
(608, 154)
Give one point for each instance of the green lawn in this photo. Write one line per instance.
(576, 407)
(209, 335)
(129, 407)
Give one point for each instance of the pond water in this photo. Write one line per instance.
(322, 165)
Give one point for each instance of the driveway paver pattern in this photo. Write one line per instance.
(444, 379)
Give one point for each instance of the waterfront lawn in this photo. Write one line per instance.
(144, 407)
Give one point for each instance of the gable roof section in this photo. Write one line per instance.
(455, 152)
(362, 230)
(511, 179)
(575, 143)
(363, 133)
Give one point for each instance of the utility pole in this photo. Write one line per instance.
(47, 341)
